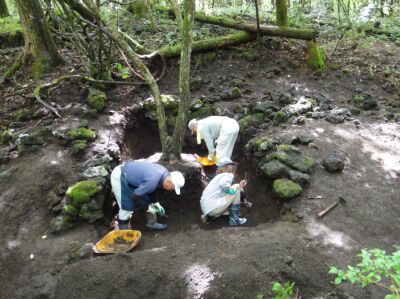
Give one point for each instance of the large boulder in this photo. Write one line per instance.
(82, 192)
(286, 189)
(291, 156)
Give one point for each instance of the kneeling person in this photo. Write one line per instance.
(220, 196)
(134, 185)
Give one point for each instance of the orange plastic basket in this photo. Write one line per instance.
(205, 162)
(118, 241)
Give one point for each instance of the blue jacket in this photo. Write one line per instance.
(139, 181)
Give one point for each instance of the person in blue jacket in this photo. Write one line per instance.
(134, 184)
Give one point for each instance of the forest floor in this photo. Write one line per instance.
(281, 241)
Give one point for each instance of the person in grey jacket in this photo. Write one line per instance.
(221, 196)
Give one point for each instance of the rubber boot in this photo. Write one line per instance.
(123, 224)
(234, 219)
(151, 222)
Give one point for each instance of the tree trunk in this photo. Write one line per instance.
(3, 9)
(40, 51)
(209, 44)
(186, 26)
(281, 13)
(306, 34)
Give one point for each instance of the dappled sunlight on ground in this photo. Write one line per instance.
(198, 279)
(328, 236)
(382, 141)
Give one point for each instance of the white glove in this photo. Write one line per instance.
(156, 208)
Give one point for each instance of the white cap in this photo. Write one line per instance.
(178, 180)
(192, 124)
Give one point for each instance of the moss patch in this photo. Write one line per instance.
(97, 99)
(285, 188)
(258, 144)
(274, 169)
(82, 192)
(279, 117)
(70, 210)
(315, 57)
(251, 120)
(81, 133)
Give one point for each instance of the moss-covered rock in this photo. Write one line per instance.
(21, 115)
(258, 144)
(315, 57)
(233, 93)
(279, 117)
(293, 159)
(204, 111)
(196, 83)
(358, 99)
(237, 83)
(251, 120)
(70, 210)
(82, 192)
(250, 55)
(82, 134)
(274, 169)
(97, 99)
(61, 223)
(5, 137)
(287, 148)
(168, 101)
(286, 189)
(78, 147)
(36, 138)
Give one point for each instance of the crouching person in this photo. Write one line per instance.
(134, 184)
(221, 197)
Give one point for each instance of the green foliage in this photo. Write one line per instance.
(122, 70)
(97, 99)
(284, 291)
(358, 99)
(10, 24)
(376, 268)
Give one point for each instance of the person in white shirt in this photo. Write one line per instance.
(221, 196)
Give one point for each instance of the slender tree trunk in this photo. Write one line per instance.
(3, 9)
(281, 13)
(258, 24)
(40, 50)
(186, 26)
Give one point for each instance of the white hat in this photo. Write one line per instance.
(192, 124)
(225, 161)
(178, 180)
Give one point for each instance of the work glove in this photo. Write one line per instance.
(156, 208)
(210, 157)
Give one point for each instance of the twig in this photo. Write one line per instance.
(52, 109)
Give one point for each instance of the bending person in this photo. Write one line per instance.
(134, 184)
(221, 197)
(221, 130)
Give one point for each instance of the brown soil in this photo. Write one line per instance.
(281, 241)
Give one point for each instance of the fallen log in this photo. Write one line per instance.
(288, 32)
(208, 44)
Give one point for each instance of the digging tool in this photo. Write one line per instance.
(314, 197)
(341, 200)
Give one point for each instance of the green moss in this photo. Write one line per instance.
(274, 169)
(251, 120)
(85, 212)
(279, 117)
(249, 54)
(81, 133)
(21, 115)
(313, 102)
(79, 147)
(82, 192)
(204, 111)
(358, 99)
(293, 159)
(235, 93)
(5, 137)
(287, 148)
(258, 144)
(315, 57)
(285, 188)
(168, 101)
(355, 111)
(139, 8)
(97, 99)
(70, 210)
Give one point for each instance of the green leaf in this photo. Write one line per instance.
(333, 270)
(338, 280)
(276, 287)
(124, 76)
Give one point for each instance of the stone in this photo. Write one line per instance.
(293, 159)
(397, 118)
(169, 103)
(36, 138)
(279, 117)
(95, 171)
(52, 200)
(337, 115)
(274, 169)
(250, 120)
(81, 134)
(5, 137)
(300, 120)
(281, 98)
(82, 192)
(97, 99)
(4, 154)
(299, 177)
(60, 189)
(83, 123)
(333, 163)
(318, 114)
(100, 159)
(286, 189)
(85, 251)
(60, 223)
(356, 122)
(114, 151)
(70, 210)
(370, 104)
(259, 144)
(232, 94)
(196, 83)
(237, 83)
(301, 106)
(21, 115)
(78, 147)
(266, 107)
(302, 139)
(7, 173)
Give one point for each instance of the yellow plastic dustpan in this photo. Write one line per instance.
(205, 162)
(118, 241)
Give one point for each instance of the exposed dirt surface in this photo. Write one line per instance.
(282, 240)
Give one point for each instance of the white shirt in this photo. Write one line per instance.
(213, 195)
